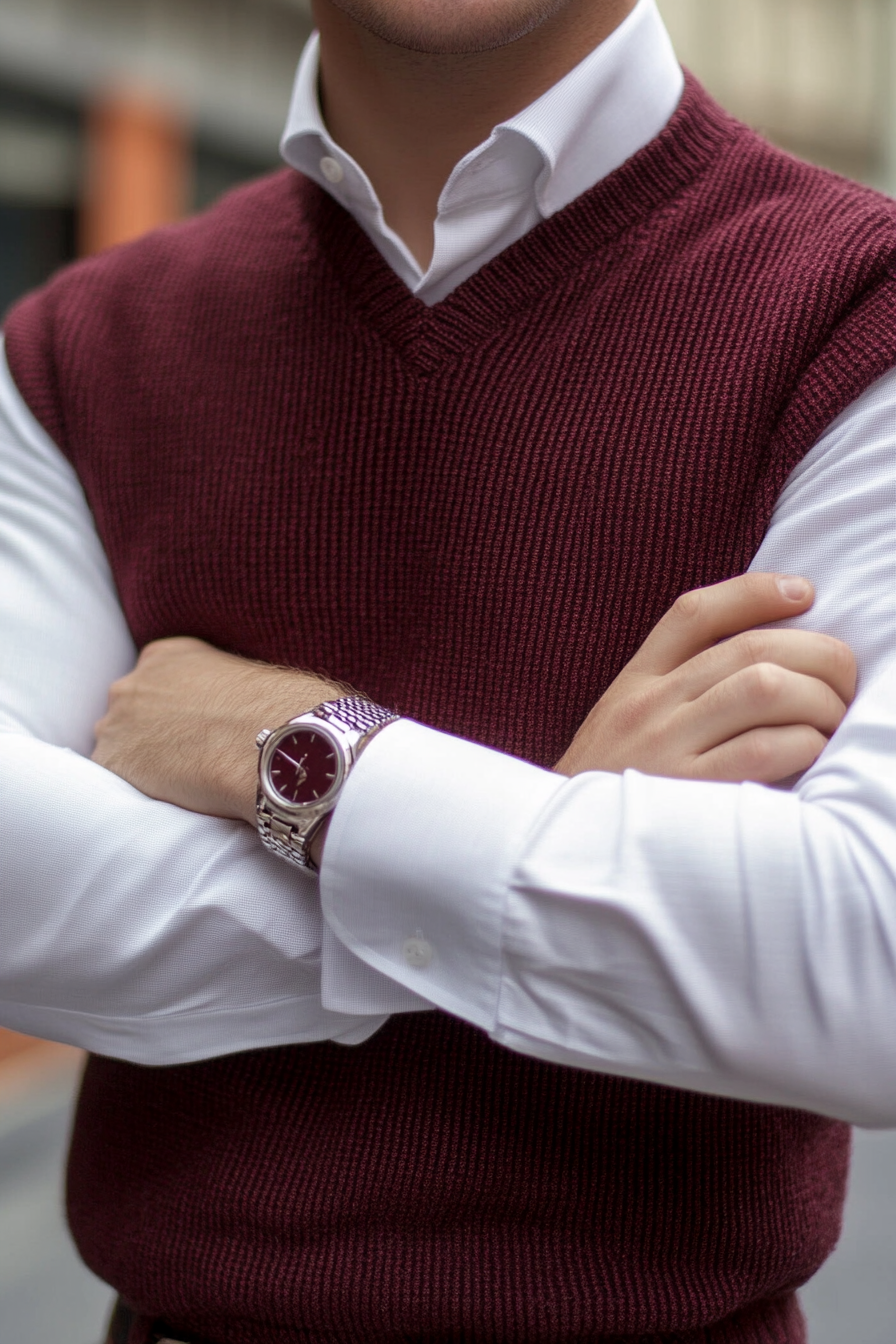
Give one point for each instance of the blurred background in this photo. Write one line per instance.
(118, 115)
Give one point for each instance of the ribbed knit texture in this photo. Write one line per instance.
(475, 513)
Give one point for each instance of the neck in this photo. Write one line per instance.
(407, 117)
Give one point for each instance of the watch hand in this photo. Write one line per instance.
(299, 765)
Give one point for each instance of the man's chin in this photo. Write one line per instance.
(450, 27)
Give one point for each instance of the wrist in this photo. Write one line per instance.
(283, 696)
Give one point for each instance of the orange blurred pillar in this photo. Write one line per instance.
(138, 168)
(11, 1043)
(21, 1056)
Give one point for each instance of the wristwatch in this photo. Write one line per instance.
(302, 768)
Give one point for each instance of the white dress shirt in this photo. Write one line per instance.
(732, 939)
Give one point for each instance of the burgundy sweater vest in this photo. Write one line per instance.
(476, 513)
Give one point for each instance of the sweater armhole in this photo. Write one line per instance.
(28, 334)
(860, 351)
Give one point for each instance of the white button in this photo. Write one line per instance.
(331, 170)
(417, 952)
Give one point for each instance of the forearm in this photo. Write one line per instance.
(724, 938)
(729, 939)
(126, 926)
(145, 932)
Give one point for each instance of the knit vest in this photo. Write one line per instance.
(475, 513)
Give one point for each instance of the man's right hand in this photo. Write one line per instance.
(710, 696)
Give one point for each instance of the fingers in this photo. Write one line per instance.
(761, 696)
(762, 755)
(701, 618)
(819, 656)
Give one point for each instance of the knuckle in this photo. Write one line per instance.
(125, 685)
(805, 747)
(760, 583)
(158, 649)
(766, 681)
(750, 587)
(118, 689)
(771, 754)
(837, 658)
(813, 740)
(760, 752)
(687, 607)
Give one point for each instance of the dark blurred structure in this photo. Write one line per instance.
(116, 115)
(39, 155)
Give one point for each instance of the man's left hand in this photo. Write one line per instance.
(181, 727)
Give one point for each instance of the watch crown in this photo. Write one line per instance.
(263, 737)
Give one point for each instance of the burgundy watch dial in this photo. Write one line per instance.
(304, 766)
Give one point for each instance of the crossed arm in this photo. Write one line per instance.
(708, 696)
(728, 938)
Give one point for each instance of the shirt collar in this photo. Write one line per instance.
(590, 122)
(599, 114)
(609, 106)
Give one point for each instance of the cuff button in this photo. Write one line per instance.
(417, 952)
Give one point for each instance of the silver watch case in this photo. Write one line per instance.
(287, 829)
(271, 740)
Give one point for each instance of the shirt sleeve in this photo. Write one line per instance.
(732, 939)
(127, 926)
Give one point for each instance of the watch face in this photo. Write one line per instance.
(304, 766)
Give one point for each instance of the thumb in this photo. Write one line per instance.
(702, 617)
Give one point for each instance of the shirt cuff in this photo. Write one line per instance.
(419, 858)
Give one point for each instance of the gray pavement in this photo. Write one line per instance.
(853, 1298)
(48, 1297)
(46, 1294)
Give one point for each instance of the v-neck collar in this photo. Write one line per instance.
(428, 337)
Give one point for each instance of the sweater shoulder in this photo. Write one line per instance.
(766, 192)
(249, 231)
(819, 252)
(147, 300)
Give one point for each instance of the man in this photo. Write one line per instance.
(640, 341)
